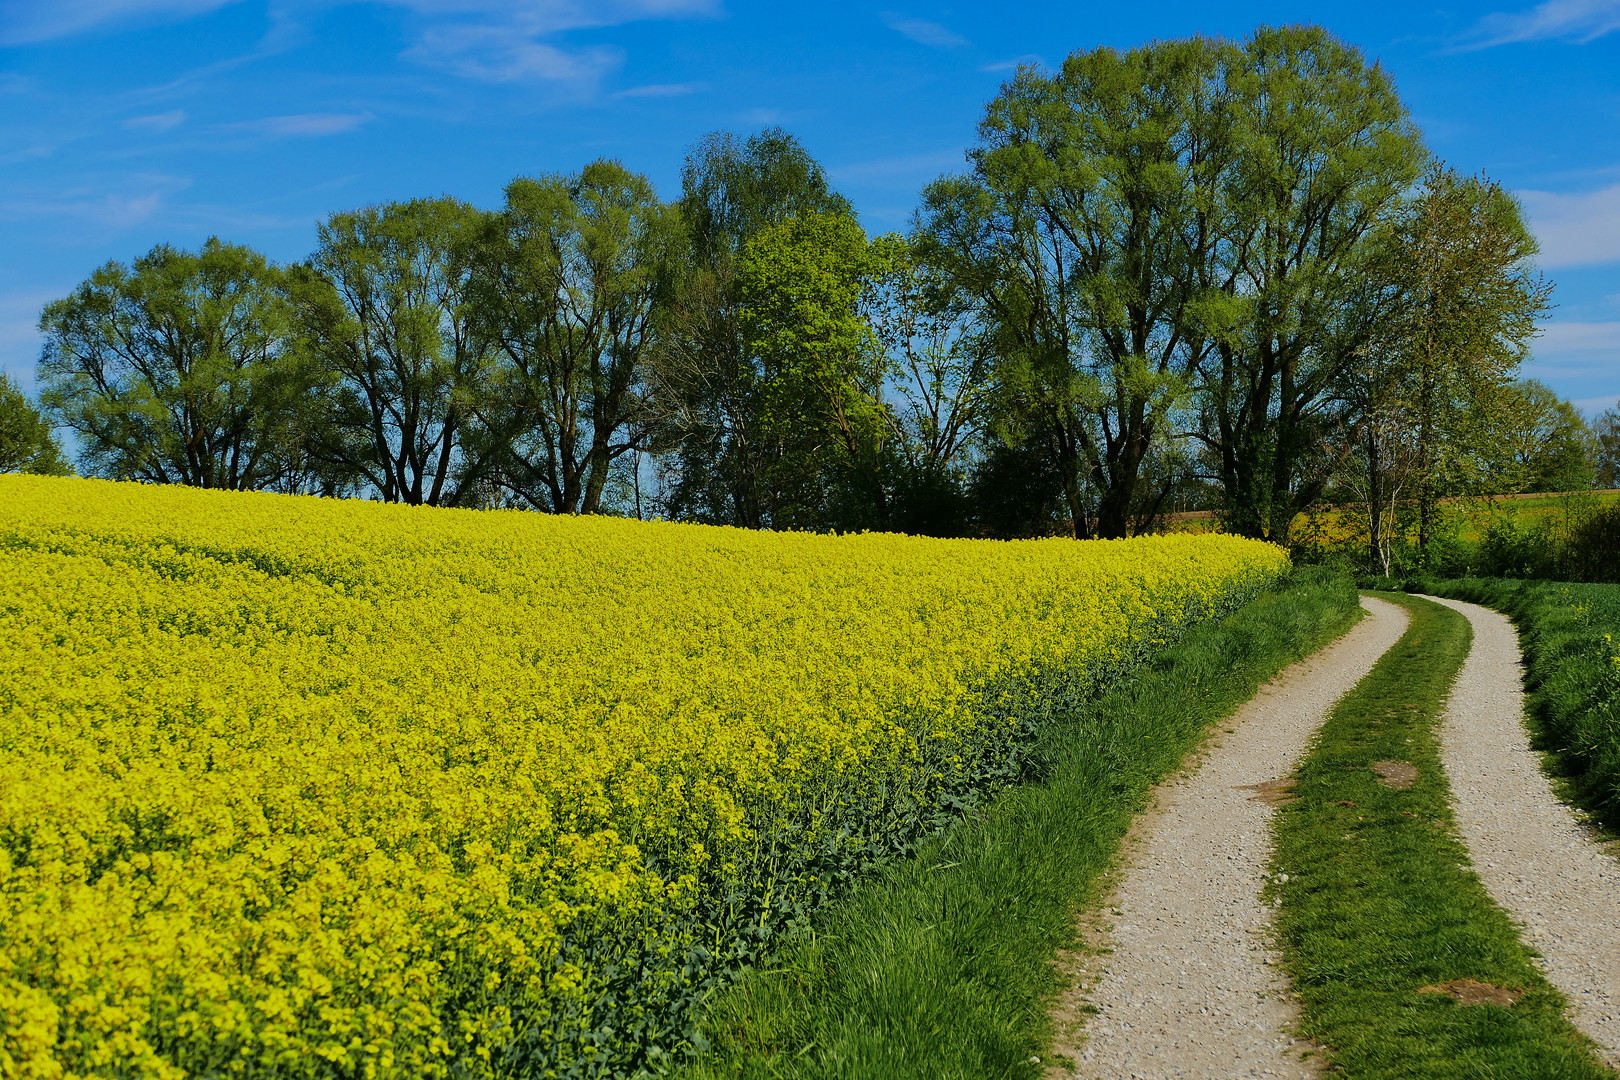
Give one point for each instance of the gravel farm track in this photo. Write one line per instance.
(1191, 985)
(1529, 850)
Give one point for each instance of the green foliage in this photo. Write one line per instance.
(1576, 543)
(705, 382)
(942, 965)
(822, 370)
(1430, 392)
(1017, 492)
(731, 189)
(1190, 274)
(26, 442)
(183, 368)
(1606, 462)
(566, 284)
(1379, 901)
(385, 307)
(1077, 236)
(1324, 153)
(1538, 442)
(1187, 230)
(937, 396)
(1590, 551)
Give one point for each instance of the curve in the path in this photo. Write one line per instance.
(1192, 987)
(1528, 848)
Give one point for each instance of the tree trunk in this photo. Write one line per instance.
(1375, 501)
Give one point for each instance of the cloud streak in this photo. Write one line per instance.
(494, 41)
(1580, 229)
(1561, 338)
(500, 41)
(19, 331)
(158, 122)
(922, 31)
(498, 54)
(1027, 60)
(1579, 21)
(1578, 358)
(899, 172)
(132, 201)
(301, 125)
(661, 90)
(26, 22)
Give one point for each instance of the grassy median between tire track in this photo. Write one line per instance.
(1378, 901)
(942, 966)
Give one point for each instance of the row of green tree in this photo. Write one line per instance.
(1200, 272)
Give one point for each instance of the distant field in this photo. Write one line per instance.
(1473, 515)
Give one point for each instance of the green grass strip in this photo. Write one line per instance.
(942, 965)
(1379, 900)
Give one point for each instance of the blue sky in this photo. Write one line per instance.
(125, 123)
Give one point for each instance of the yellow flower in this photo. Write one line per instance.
(289, 783)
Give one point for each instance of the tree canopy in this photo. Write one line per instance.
(26, 442)
(1202, 273)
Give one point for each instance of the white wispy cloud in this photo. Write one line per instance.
(560, 14)
(25, 22)
(1027, 60)
(1583, 357)
(1578, 229)
(299, 125)
(19, 331)
(922, 31)
(157, 122)
(1579, 21)
(487, 40)
(658, 90)
(28, 153)
(1562, 338)
(109, 205)
(905, 171)
(1579, 358)
(490, 53)
(516, 40)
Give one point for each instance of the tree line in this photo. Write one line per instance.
(1198, 273)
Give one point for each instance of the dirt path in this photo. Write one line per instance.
(1528, 848)
(1192, 987)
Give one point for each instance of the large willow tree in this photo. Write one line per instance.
(1084, 231)
(182, 368)
(1180, 232)
(1323, 154)
(385, 306)
(570, 279)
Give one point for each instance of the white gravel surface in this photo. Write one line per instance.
(1193, 987)
(1527, 846)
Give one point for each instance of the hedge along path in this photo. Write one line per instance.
(1527, 846)
(1192, 987)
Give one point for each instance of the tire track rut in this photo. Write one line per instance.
(1193, 987)
(1528, 848)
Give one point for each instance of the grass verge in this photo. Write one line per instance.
(942, 966)
(1378, 901)
(1571, 639)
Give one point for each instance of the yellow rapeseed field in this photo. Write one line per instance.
(303, 787)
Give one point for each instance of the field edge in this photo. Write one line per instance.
(945, 964)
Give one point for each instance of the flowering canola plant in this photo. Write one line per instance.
(293, 786)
